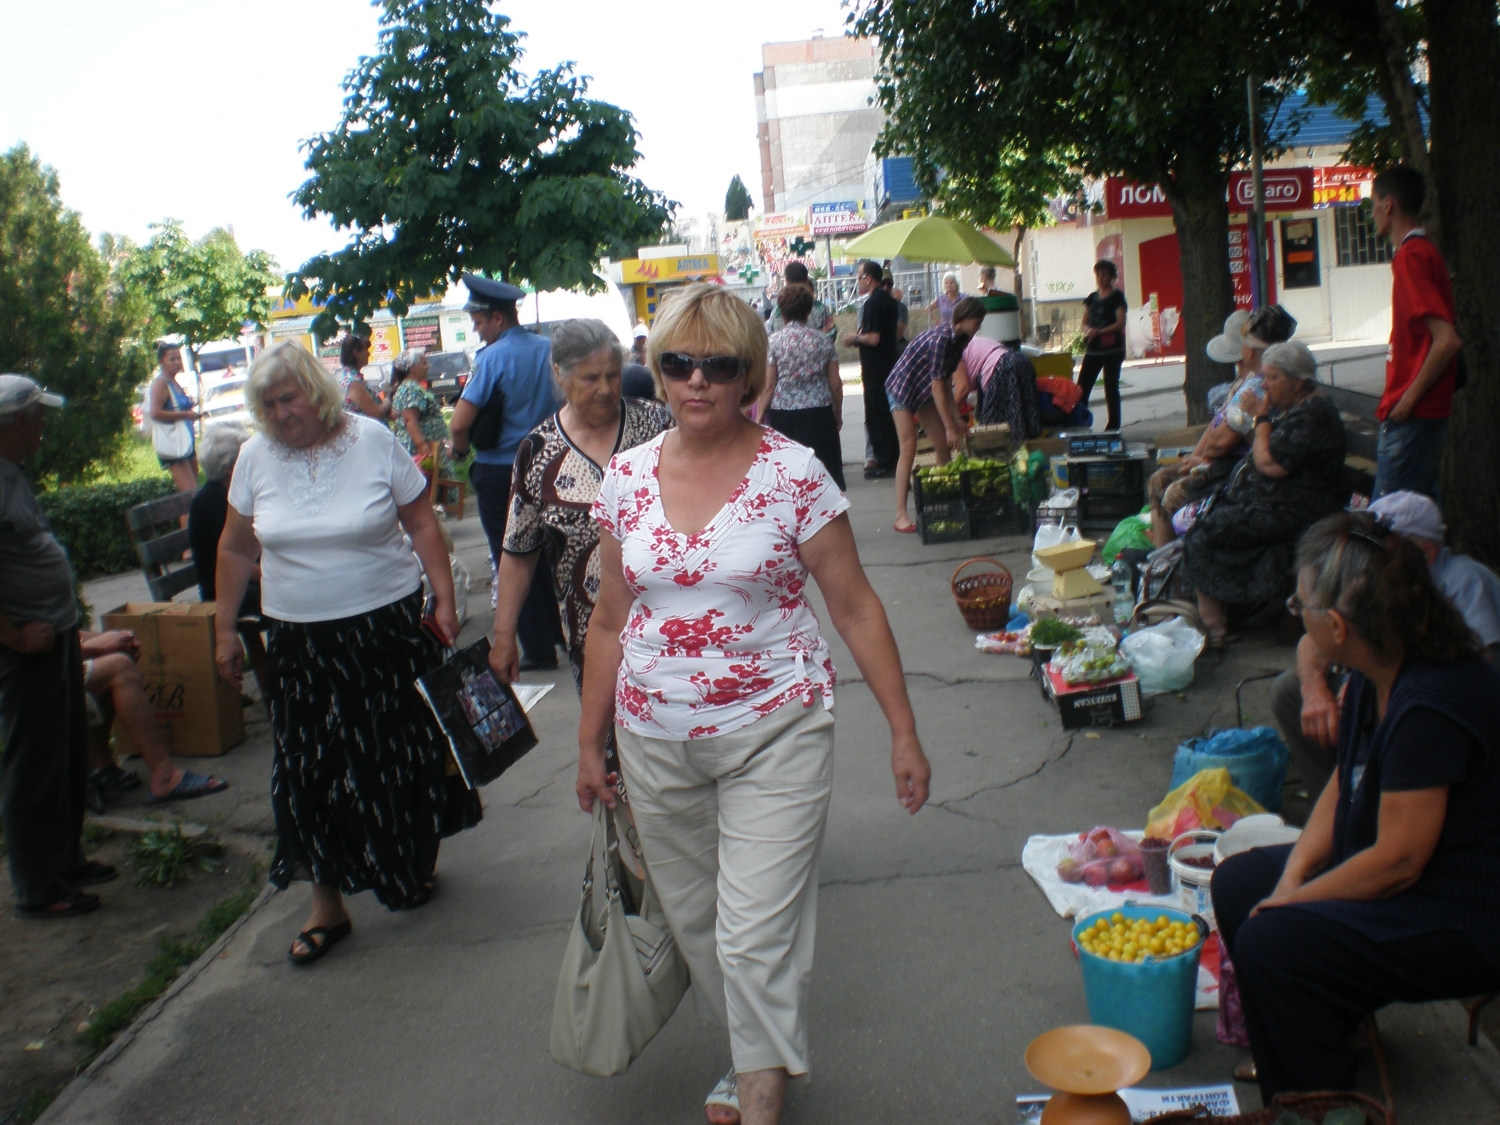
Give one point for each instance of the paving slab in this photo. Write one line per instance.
(938, 960)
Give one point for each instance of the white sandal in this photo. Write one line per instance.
(725, 1094)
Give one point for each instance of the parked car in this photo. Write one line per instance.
(225, 402)
(447, 372)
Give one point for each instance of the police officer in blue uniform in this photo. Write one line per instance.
(509, 394)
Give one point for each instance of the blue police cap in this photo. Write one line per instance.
(490, 296)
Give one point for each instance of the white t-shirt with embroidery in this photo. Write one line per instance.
(721, 632)
(326, 519)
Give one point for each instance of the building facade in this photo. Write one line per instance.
(1326, 266)
(816, 121)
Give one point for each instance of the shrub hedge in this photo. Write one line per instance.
(89, 520)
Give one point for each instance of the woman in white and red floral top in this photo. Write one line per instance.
(706, 656)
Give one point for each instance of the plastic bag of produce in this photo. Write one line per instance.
(1101, 857)
(1208, 799)
(1131, 532)
(1163, 655)
(1256, 760)
(1089, 662)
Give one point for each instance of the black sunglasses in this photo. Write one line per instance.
(715, 368)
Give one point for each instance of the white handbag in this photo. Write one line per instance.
(172, 440)
(622, 975)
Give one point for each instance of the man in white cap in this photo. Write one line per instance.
(1306, 701)
(43, 724)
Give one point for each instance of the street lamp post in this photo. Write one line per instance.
(1257, 217)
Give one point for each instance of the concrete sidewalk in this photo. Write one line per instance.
(938, 959)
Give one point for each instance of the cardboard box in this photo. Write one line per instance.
(1051, 447)
(1100, 605)
(1074, 585)
(1171, 454)
(1093, 705)
(197, 713)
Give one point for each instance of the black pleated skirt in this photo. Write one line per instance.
(360, 784)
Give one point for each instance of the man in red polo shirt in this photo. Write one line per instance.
(1421, 365)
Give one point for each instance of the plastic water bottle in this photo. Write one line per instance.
(1120, 578)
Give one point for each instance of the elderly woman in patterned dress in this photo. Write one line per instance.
(359, 781)
(555, 482)
(706, 661)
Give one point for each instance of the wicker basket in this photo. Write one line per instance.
(1314, 1107)
(983, 599)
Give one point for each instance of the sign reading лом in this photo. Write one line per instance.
(1286, 189)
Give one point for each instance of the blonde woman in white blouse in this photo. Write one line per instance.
(706, 657)
(359, 783)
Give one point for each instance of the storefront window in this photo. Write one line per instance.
(1354, 231)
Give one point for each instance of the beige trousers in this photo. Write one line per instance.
(732, 829)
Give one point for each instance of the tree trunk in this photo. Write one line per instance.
(1403, 114)
(1200, 212)
(1463, 51)
(1015, 272)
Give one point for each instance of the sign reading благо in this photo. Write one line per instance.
(1286, 189)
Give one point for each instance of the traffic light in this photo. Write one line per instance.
(800, 246)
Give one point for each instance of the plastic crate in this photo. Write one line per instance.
(997, 519)
(1113, 478)
(1110, 509)
(946, 491)
(987, 487)
(944, 523)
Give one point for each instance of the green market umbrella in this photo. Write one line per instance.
(930, 239)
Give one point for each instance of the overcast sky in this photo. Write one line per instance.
(195, 110)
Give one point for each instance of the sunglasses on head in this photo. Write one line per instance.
(715, 368)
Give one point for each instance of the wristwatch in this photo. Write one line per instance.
(1262, 419)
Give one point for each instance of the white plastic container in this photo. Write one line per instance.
(1190, 883)
(1263, 830)
(1040, 579)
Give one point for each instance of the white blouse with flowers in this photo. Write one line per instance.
(721, 632)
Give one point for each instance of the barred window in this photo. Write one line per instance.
(1354, 232)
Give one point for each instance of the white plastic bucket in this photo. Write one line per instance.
(1041, 582)
(1192, 883)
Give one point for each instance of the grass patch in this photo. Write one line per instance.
(167, 856)
(172, 956)
(135, 459)
(95, 833)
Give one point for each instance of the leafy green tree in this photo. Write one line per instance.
(68, 325)
(448, 159)
(1152, 92)
(1463, 53)
(737, 201)
(204, 290)
(1361, 47)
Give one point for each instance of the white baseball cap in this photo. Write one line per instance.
(1411, 513)
(17, 392)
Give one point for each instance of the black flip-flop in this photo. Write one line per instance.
(69, 906)
(90, 873)
(315, 949)
(191, 787)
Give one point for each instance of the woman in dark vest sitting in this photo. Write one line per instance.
(1393, 891)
